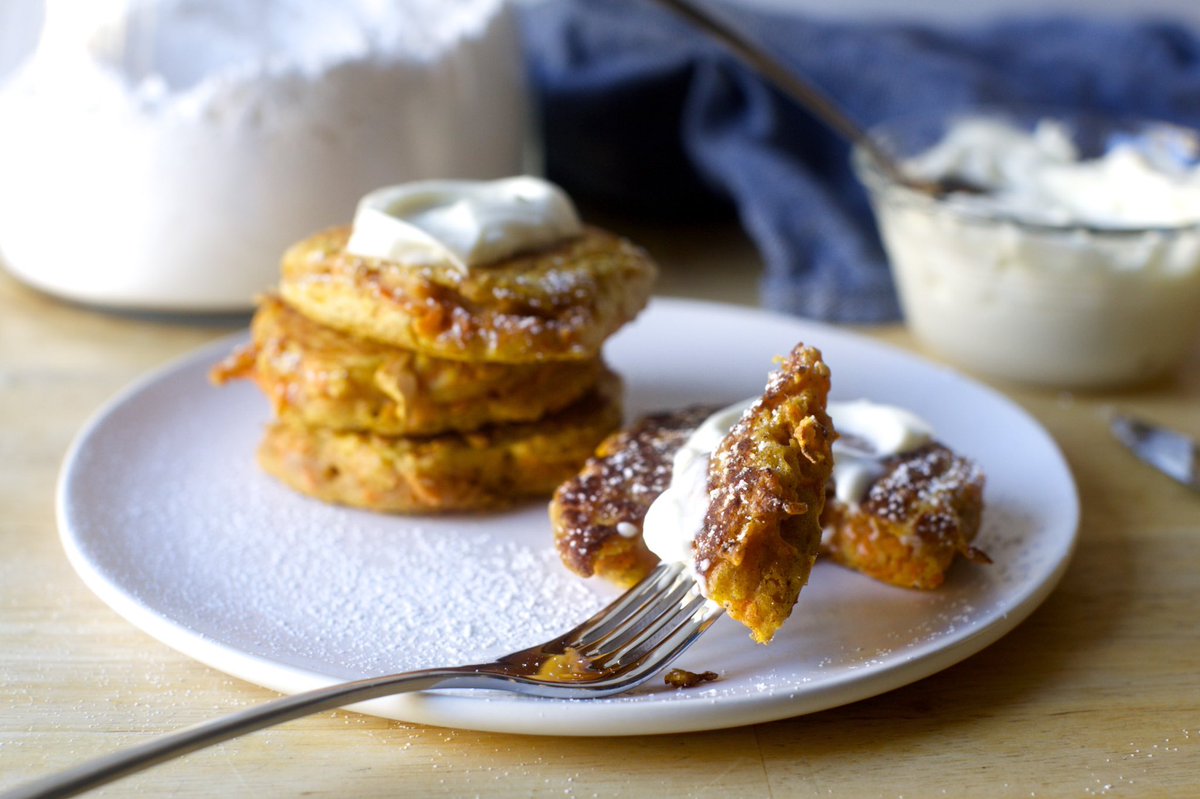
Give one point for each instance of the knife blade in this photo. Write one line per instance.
(1172, 453)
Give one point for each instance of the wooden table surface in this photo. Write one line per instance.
(1096, 694)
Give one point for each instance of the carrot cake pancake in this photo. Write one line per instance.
(901, 506)
(317, 376)
(426, 267)
(597, 515)
(487, 469)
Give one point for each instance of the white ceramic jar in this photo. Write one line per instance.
(161, 154)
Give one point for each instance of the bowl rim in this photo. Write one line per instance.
(877, 182)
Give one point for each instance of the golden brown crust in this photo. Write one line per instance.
(557, 303)
(923, 511)
(679, 678)
(317, 376)
(612, 493)
(482, 470)
(767, 483)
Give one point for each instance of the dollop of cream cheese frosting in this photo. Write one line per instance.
(676, 517)
(462, 222)
(868, 431)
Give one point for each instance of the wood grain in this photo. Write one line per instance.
(1098, 693)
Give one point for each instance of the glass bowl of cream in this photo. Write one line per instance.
(1075, 262)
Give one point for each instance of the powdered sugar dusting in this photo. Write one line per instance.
(323, 587)
(163, 504)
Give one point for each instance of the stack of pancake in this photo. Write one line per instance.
(418, 388)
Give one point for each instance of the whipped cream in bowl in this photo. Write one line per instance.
(1077, 267)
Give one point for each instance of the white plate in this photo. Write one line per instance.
(165, 515)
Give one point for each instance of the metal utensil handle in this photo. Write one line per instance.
(786, 79)
(107, 768)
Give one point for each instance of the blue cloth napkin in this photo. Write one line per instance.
(641, 112)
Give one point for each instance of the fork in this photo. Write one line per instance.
(615, 650)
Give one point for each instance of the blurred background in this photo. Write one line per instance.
(285, 115)
(950, 12)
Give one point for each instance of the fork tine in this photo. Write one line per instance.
(647, 615)
(648, 660)
(628, 605)
(613, 616)
(645, 636)
(671, 646)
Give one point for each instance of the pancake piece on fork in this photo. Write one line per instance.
(762, 497)
(766, 487)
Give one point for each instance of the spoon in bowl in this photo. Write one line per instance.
(813, 99)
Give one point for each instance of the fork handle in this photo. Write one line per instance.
(106, 768)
